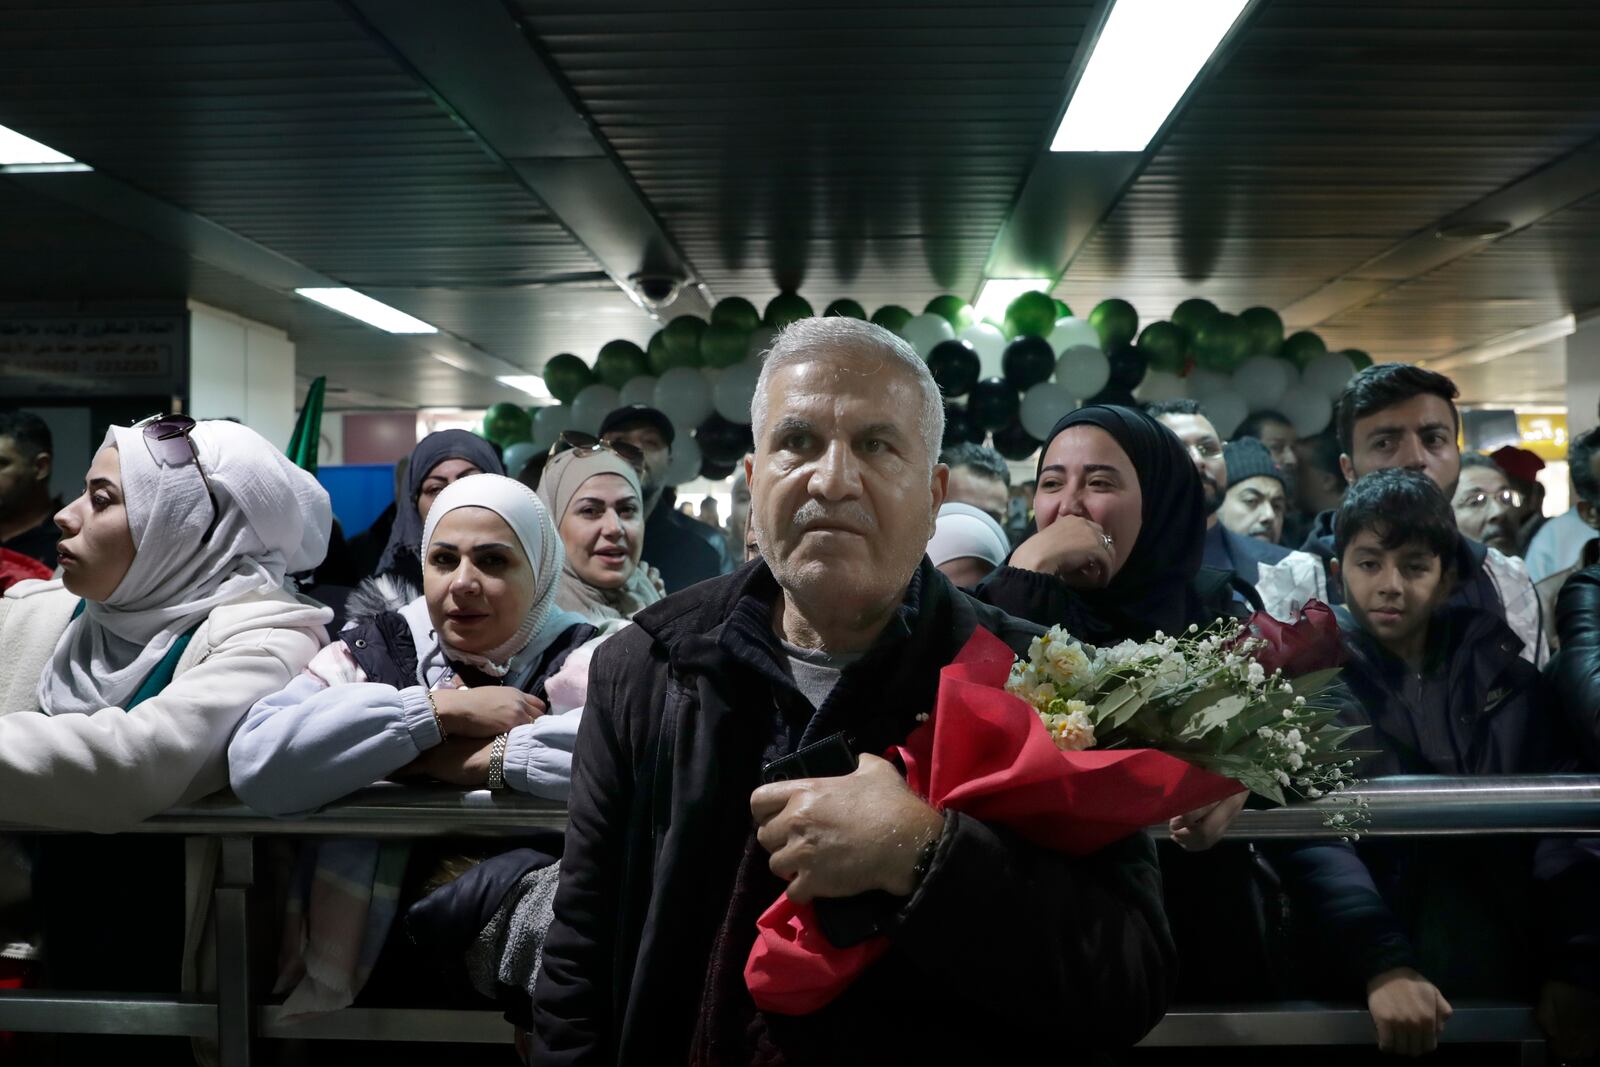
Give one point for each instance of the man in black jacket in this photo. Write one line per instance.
(675, 847)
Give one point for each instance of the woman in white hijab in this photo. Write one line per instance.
(479, 683)
(967, 544)
(465, 684)
(118, 705)
(594, 496)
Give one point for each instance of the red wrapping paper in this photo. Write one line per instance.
(1310, 643)
(985, 753)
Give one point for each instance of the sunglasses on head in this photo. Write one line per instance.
(578, 441)
(167, 438)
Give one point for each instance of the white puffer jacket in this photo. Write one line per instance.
(105, 771)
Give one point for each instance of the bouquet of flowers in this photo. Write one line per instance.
(1206, 697)
(1075, 748)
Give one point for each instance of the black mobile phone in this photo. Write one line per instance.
(845, 921)
(828, 758)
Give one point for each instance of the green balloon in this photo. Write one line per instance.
(736, 311)
(1062, 311)
(722, 345)
(892, 317)
(682, 338)
(1191, 313)
(1166, 345)
(618, 361)
(954, 310)
(566, 375)
(1301, 348)
(844, 308)
(787, 307)
(1033, 314)
(506, 424)
(1358, 359)
(1116, 322)
(1221, 343)
(1264, 328)
(656, 350)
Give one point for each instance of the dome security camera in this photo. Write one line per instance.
(657, 290)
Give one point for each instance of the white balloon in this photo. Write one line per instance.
(1071, 332)
(549, 423)
(591, 406)
(1161, 385)
(926, 330)
(1042, 406)
(1226, 411)
(1206, 383)
(1261, 380)
(685, 464)
(1083, 370)
(683, 396)
(761, 339)
(990, 344)
(640, 389)
(1308, 410)
(735, 390)
(1328, 374)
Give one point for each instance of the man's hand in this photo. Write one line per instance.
(1204, 827)
(836, 837)
(1571, 1016)
(1409, 1011)
(487, 711)
(462, 761)
(1072, 548)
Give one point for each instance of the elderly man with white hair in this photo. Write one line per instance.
(829, 645)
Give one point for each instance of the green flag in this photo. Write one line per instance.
(308, 428)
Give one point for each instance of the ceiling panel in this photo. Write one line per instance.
(287, 123)
(869, 150)
(1338, 129)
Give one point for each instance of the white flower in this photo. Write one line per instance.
(1257, 674)
(1071, 731)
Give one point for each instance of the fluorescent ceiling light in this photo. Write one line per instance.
(454, 361)
(44, 168)
(15, 148)
(532, 384)
(1147, 55)
(370, 311)
(997, 294)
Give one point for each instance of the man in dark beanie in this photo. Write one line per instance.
(1257, 491)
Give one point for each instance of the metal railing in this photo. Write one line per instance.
(1396, 807)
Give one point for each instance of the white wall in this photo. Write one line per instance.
(241, 369)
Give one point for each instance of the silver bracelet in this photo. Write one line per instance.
(497, 763)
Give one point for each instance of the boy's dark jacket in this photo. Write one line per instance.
(1481, 710)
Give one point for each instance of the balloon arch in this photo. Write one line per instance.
(1010, 379)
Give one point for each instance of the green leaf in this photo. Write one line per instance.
(1308, 684)
(1120, 705)
(1247, 772)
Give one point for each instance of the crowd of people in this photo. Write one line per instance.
(567, 632)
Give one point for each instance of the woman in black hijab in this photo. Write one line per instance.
(1121, 530)
(1122, 524)
(440, 458)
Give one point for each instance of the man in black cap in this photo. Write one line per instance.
(1257, 495)
(680, 548)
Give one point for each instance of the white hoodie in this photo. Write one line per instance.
(106, 771)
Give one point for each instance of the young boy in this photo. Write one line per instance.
(1444, 691)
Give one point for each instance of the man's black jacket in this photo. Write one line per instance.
(1004, 946)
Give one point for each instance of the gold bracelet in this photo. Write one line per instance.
(444, 735)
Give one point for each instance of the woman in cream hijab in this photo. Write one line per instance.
(595, 498)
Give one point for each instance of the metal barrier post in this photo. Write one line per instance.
(235, 878)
